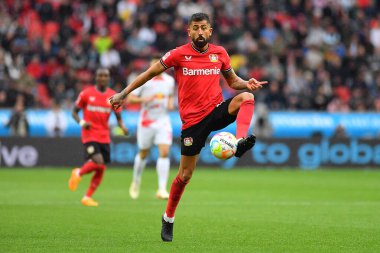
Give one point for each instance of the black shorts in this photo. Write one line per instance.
(193, 139)
(91, 148)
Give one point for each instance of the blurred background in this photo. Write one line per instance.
(321, 58)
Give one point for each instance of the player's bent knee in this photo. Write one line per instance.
(144, 153)
(242, 97)
(164, 155)
(247, 96)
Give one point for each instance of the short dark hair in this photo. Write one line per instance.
(101, 69)
(199, 17)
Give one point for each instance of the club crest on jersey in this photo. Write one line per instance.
(188, 141)
(92, 98)
(188, 58)
(213, 57)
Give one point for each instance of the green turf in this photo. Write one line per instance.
(221, 211)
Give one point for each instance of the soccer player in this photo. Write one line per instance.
(197, 67)
(154, 127)
(95, 132)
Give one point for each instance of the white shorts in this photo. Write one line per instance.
(157, 133)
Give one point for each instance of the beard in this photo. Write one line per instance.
(200, 44)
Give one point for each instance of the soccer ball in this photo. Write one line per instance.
(223, 145)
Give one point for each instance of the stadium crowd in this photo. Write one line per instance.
(316, 55)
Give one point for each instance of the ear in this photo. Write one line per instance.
(188, 31)
(210, 30)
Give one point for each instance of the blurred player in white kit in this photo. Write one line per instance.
(154, 127)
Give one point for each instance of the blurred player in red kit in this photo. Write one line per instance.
(95, 132)
(197, 67)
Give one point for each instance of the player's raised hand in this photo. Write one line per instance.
(253, 84)
(116, 101)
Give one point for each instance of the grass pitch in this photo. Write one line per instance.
(221, 211)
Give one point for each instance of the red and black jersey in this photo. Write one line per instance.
(96, 111)
(198, 77)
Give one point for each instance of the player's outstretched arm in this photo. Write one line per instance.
(75, 115)
(237, 83)
(118, 99)
(120, 123)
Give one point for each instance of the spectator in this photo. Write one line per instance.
(302, 45)
(338, 105)
(3, 73)
(110, 58)
(269, 33)
(340, 132)
(375, 33)
(77, 58)
(262, 127)
(103, 42)
(18, 122)
(126, 9)
(56, 120)
(274, 100)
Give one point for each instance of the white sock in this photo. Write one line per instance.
(163, 167)
(138, 168)
(167, 219)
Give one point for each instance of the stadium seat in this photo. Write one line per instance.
(43, 97)
(35, 29)
(114, 30)
(50, 30)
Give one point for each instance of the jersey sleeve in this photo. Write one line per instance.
(226, 61)
(170, 59)
(81, 100)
